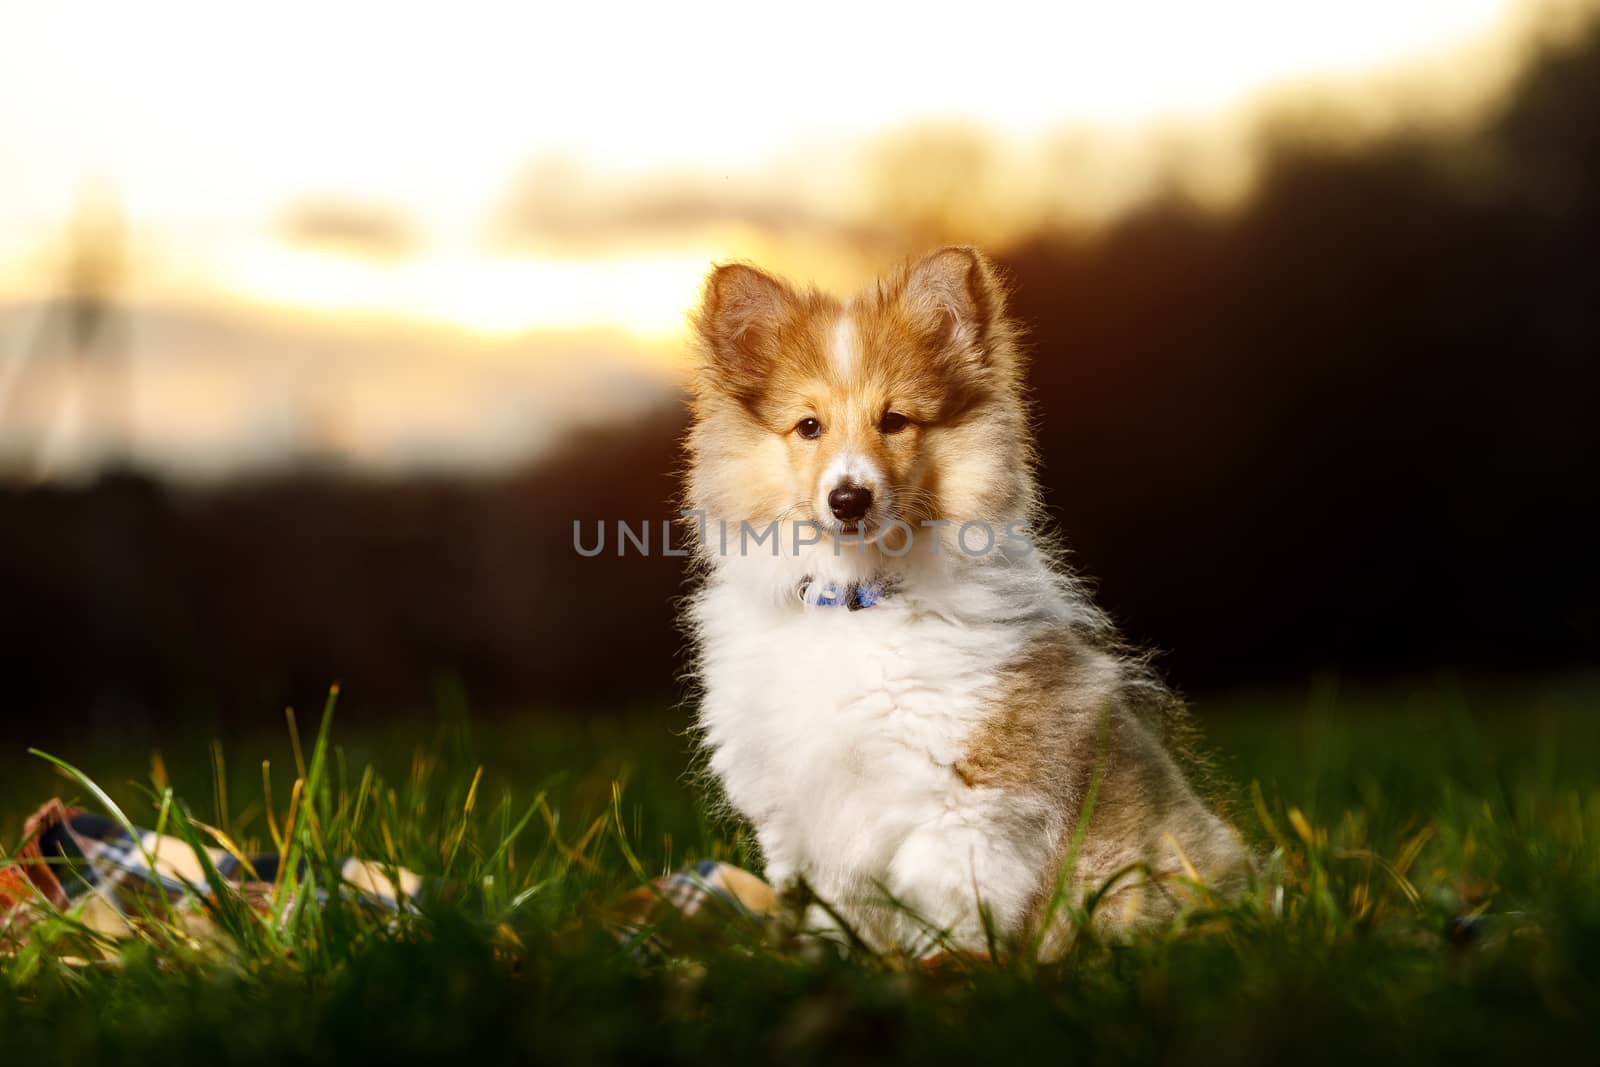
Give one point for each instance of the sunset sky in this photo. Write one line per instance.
(360, 216)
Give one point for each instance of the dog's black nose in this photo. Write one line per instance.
(850, 502)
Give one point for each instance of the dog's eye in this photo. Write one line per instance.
(892, 422)
(809, 428)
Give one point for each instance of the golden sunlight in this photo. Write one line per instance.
(435, 114)
(494, 185)
(492, 295)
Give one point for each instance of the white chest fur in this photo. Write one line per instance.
(835, 732)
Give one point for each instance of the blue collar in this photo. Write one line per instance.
(854, 597)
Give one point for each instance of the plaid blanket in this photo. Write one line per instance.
(76, 863)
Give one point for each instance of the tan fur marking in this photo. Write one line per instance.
(930, 341)
(1023, 739)
(1065, 708)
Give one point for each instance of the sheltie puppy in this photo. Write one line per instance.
(902, 687)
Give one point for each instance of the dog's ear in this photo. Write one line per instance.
(956, 299)
(739, 321)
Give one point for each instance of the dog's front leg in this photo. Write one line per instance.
(948, 872)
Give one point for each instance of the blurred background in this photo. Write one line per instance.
(320, 325)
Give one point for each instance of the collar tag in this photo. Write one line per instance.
(852, 597)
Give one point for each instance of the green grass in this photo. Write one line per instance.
(1433, 893)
